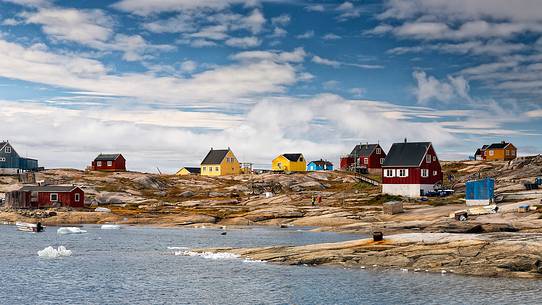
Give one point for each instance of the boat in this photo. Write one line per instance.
(29, 227)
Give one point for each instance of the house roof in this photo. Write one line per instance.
(2, 144)
(363, 149)
(107, 157)
(49, 188)
(322, 162)
(215, 156)
(498, 145)
(406, 154)
(292, 157)
(484, 146)
(193, 170)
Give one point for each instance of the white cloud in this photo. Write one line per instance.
(281, 20)
(331, 36)
(243, 42)
(336, 64)
(491, 47)
(306, 35)
(278, 32)
(188, 66)
(296, 56)
(429, 88)
(220, 85)
(144, 7)
(348, 10)
(315, 8)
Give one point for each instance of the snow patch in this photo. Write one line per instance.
(51, 252)
(178, 248)
(70, 230)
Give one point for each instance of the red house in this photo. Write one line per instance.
(34, 197)
(109, 163)
(364, 158)
(411, 169)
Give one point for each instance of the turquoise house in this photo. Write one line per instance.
(320, 165)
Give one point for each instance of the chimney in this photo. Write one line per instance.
(405, 140)
(502, 142)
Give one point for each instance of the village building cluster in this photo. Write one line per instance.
(410, 169)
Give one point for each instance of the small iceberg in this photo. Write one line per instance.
(208, 255)
(110, 227)
(51, 252)
(70, 230)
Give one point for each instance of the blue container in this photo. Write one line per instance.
(480, 189)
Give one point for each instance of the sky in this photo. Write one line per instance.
(163, 81)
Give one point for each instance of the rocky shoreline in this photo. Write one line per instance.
(516, 255)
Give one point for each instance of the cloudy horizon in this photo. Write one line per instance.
(163, 81)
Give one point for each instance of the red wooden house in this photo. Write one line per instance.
(34, 197)
(364, 158)
(411, 169)
(109, 162)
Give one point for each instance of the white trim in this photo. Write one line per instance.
(8, 149)
(51, 197)
(378, 150)
(98, 163)
(77, 197)
(389, 173)
(402, 173)
(427, 158)
(2, 159)
(109, 163)
(382, 160)
(435, 173)
(365, 160)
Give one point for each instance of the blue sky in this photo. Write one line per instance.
(162, 81)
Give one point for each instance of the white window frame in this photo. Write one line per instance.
(378, 151)
(507, 152)
(434, 158)
(8, 150)
(491, 152)
(99, 163)
(51, 197)
(365, 160)
(435, 173)
(2, 159)
(402, 173)
(424, 173)
(389, 173)
(109, 163)
(382, 160)
(77, 197)
(428, 159)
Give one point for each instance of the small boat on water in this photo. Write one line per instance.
(29, 227)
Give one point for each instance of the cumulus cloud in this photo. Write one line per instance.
(336, 64)
(306, 35)
(144, 7)
(429, 88)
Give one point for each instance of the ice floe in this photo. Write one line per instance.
(51, 252)
(110, 227)
(70, 230)
(208, 255)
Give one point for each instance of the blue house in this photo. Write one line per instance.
(320, 165)
(11, 163)
(480, 192)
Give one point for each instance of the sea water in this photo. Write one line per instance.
(140, 266)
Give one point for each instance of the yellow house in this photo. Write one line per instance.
(185, 171)
(289, 163)
(501, 152)
(220, 162)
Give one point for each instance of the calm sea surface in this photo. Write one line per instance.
(135, 266)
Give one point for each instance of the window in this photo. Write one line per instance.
(301, 159)
(54, 197)
(365, 160)
(513, 152)
(217, 169)
(99, 163)
(402, 173)
(381, 160)
(2, 159)
(507, 152)
(109, 163)
(210, 168)
(77, 197)
(8, 150)
(204, 168)
(389, 173)
(434, 158)
(428, 159)
(279, 165)
(435, 173)
(425, 173)
(491, 152)
(378, 151)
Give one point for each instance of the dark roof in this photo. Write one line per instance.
(193, 170)
(406, 154)
(48, 188)
(363, 150)
(215, 156)
(2, 144)
(107, 157)
(321, 162)
(498, 145)
(292, 157)
(484, 146)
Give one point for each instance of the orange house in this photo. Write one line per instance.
(502, 151)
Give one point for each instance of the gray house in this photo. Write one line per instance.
(11, 163)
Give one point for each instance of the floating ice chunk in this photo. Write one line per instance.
(110, 227)
(208, 255)
(404, 270)
(51, 252)
(70, 230)
(102, 209)
(178, 248)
